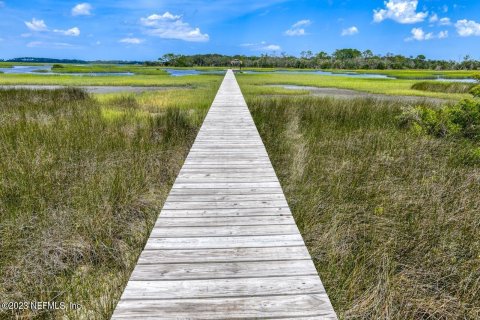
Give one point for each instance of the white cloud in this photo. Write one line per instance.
(419, 35)
(401, 11)
(295, 32)
(445, 22)
(131, 40)
(169, 26)
(302, 23)
(36, 25)
(272, 47)
(40, 25)
(153, 19)
(298, 28)
(262, 46)
(73, 32)
(443, 34)
(82, 9)
(467, 28)
(350, 31)
(434, 19)
(58, 45)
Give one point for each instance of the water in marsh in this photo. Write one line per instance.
(191, 72)
(98, 74)
(353, 75)
(47, 70)
(456, 80)
(324, 73)
(27, 69)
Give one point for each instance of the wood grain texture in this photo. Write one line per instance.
(311, 306)
(225, 245)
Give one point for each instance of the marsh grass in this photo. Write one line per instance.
(88, 80)
(252, 84)
(107, 68)
(391, 218)
(416, 74)
(445, 87)
(82, 182)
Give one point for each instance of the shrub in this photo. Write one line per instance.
(460, 120)
(466, 115)
(475, 91)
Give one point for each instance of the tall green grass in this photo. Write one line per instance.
(390, 217)
(82, 181)
(417, 73)
(445, 87)
(107, 68)
(252, 84)
(135, 80)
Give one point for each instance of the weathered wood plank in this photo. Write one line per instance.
(226, 185)
(216, 288)
(225, 242)
(225, 197)
(224, 270)
(225, 192)
(226, 212)
(223, 175)
(222, 221)
(223, 255)
(181, 180)
(285, 307)
(223, 231)
(172, 204)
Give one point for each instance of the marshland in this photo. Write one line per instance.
(385, 192)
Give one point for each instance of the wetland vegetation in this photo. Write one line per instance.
(384, 192)
(83, 179)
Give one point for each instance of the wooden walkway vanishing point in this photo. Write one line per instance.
(225, 245)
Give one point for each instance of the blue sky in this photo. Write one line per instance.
(146, 29)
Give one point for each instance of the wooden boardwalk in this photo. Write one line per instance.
(225, 245)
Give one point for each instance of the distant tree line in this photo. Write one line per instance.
(67, 61)
(45, 60)
(340, 59)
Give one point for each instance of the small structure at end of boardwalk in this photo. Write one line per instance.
(236, 63)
